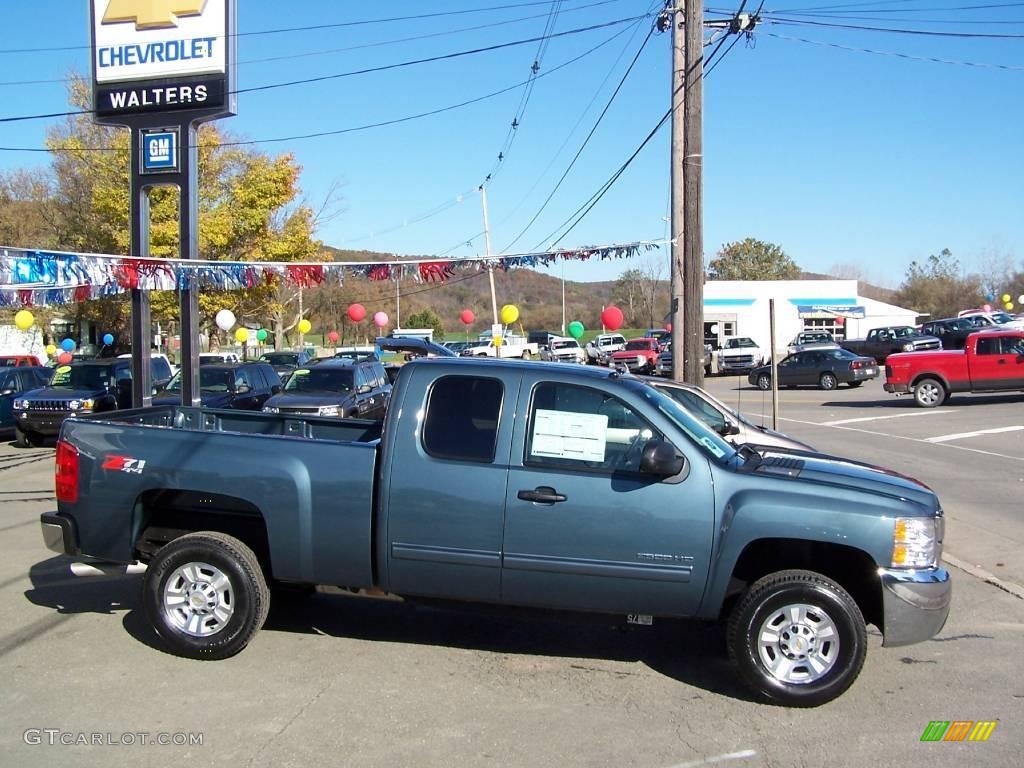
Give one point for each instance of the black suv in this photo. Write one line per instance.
(286, 362)
(235, 386)
(335, 387)
(87, 386)
(952, 331)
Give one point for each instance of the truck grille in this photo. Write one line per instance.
(48, 405)
(922, 345)
(309, 410)
(738, 360)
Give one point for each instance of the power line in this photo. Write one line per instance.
(921, 32)
(370, 70)
(586, 141)
(895, 54)
(362, 46)
(825, 9)
(352, 129)
(316, 27)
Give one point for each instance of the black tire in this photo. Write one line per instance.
(826, 600)
(764, 382)
(526, 356)
(249, 595)
(24, 439)
(928, 393)
(855, 384)
(828, 381)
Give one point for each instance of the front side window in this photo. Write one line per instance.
(461, 422)
(581, 428)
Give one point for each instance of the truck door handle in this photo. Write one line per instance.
(1002, 362)
(542, 495)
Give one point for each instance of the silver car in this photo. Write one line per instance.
(732, 425)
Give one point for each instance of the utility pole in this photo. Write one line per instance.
(487, 251)
(693, 194)
(676, 247)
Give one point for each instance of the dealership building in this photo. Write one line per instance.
(741, 308)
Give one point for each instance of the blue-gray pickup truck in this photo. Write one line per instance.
(510, 483)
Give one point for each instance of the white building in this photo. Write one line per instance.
(740, 308)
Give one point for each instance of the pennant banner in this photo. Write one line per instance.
(47, 278)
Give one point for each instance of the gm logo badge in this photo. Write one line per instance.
(160, 150)
(151, 14)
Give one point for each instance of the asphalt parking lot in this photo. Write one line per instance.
(350, 681)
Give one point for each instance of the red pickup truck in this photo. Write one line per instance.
(991, 361)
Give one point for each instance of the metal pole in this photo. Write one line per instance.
(142, 384)
(775, 365)
(693, 183)
(188, 237)
(487, 251)
(563, 297)
(677, 195)
(302, 336)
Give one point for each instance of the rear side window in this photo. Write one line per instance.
(462, 418)
(988, 346)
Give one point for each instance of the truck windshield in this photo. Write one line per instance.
(280, 358)
(564, 345)
(739, 343)
(708, 440)
(638, 344)
(320, 380)
(210, 380)
(902, 333)
(89, 377)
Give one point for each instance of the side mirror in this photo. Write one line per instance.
(728, 429)
(365, 389)
(276, 389)
(660, 459)
(243, 389)
(160, 387)
(8, 392)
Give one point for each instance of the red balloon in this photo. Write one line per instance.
(612, 318)
(333, 337)
(356, 313)
(467, 316)
(64, 358)
(840, 321)
(668, 327)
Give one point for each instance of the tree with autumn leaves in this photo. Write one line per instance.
(250, 209)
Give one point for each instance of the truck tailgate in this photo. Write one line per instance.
(315, 496)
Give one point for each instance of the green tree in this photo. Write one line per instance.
(426, 318)
(752, 259)
(938, 287)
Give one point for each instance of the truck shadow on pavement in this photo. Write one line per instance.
(689, 652)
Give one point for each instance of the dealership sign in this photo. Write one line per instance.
(162, 56)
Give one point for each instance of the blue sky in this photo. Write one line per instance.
(839, 156)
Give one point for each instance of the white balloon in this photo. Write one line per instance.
(714, 328)
(1020, 299)
(225, 319)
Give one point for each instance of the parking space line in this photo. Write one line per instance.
(962, 435)
(887, 416)
(903, 437)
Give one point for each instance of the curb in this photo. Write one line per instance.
(989, 578)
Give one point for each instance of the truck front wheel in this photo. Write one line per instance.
(797, 638)
(205, 594)
(929, 393)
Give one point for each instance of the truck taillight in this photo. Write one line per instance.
(67, 472)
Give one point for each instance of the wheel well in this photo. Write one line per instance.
(922, 376)
(851, 568)
(164, 515)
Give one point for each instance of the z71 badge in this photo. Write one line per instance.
(124, 464)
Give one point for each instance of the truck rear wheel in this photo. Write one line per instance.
(205, 595)
(797, 638)
(24, 439)
(929, 393)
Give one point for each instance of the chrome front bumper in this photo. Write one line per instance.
(915, 604)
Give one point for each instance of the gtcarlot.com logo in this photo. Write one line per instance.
(55, 737)
(959, 730)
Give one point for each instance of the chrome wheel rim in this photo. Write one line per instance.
(828, 382)
(198, 599)
(764, 383)
(928, 393)
(798, 644)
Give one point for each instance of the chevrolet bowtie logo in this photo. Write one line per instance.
(151, 14)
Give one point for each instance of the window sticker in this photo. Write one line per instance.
(568, 435)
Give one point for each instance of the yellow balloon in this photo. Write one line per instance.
(1006, 298)
(51, 350)
(24, 320)
(242, 335)
(1008, 305)
(305, 326)
(509, 314)
(498, 341)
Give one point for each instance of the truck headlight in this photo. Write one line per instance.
(328, 410)
(86, 405)
(271, 409)
(908, 347)
(20, 405)
(74, 405)
(917, 542)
